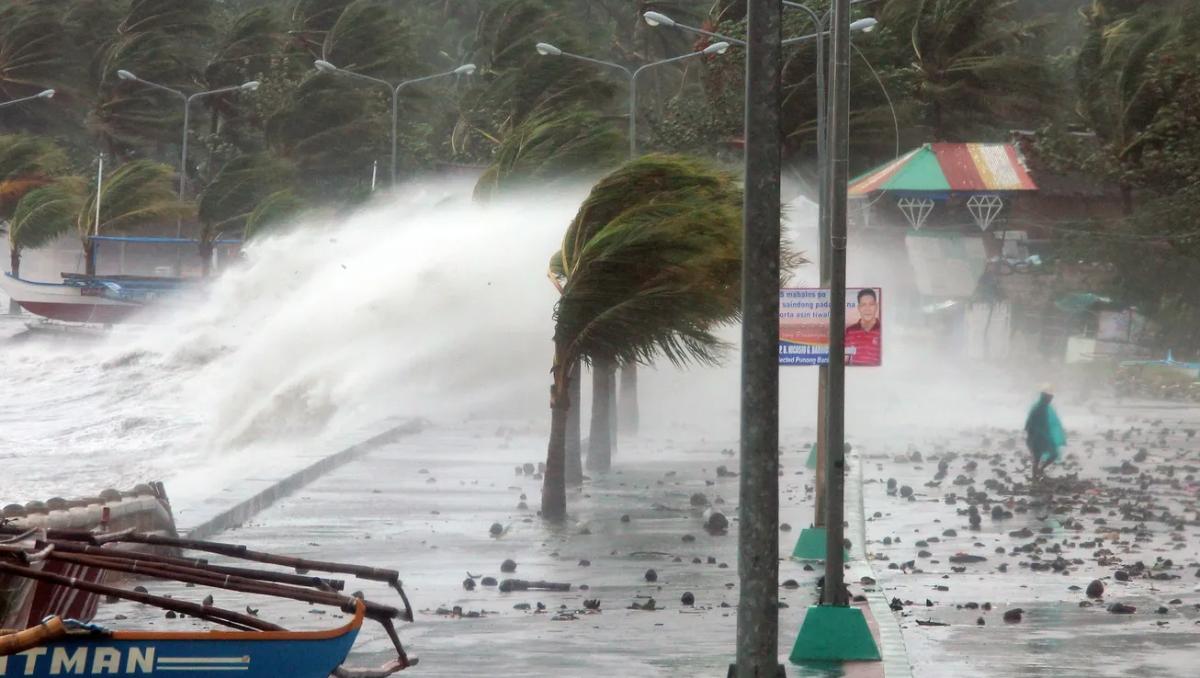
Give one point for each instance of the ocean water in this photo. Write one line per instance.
(424, 304)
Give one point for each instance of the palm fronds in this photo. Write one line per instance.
(26, 162)
(271, 212)
(238, 189)
(45, 213)
(137, 193)
(651, 264)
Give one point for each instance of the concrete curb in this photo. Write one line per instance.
(245, 510)
(891, 639)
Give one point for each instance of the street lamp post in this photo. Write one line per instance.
(864, 25)
(249, 86)
(326, 67)
(44, 94)
(546, 49)
(660, 19)
(758, 494)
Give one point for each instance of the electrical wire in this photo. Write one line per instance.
(886, 95)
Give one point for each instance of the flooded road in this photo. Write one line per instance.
(425, 505)
(318, 344)
(1122, 511)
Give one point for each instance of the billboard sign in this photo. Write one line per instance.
(804, 326)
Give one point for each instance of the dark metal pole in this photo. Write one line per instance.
(758, 536)
(823, 240)
(839, 128)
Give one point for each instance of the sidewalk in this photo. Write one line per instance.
(1126, 494)
(424, 505)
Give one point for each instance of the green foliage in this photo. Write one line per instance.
(516, 83)
(45, 213)
(32, 48)
(161, 41)
(332, 131)
(1138, 92)
(553, 146)
(238, 189)
(370, 37)
(978, 64)
(137, 193)
(650, 265)
(26, 162)
(272, 212)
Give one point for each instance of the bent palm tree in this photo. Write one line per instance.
(229, 200)
(650, 266)
(273, 211)
(42, 215)
(136, 194)
(26, 162)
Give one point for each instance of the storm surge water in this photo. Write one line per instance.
(426, 304)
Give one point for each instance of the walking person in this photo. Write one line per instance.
(1044, 433)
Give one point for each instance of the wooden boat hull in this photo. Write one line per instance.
(215, 654)
(67, 303)
(24, 602)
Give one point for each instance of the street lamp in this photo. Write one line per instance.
(865, 25)
(657, 19)
(546, 49)
(44, 94)
(325, 67)
(249, 86)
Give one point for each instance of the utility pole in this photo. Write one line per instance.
(835, 412)
(758, 511)
(823, 245)
(833, 630)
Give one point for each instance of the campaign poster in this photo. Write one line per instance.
(804, 326)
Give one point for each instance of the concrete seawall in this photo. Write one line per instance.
(243, 511)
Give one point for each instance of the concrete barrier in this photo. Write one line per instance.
(237, 515)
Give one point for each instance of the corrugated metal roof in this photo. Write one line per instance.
(949, 168)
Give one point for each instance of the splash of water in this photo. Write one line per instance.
(425, 304)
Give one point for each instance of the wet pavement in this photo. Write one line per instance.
(1126, 494)
(424, 506)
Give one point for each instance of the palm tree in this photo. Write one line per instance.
(138, 193)
(1117, 98)
(163, 41)
(553, 145)
(515, 84)
(42, 215)
(967, 52)
(229, 200)
(650, 265)
(26, 163)
(273, 211)
(33, 53)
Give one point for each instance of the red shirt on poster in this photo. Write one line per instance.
(864, 346)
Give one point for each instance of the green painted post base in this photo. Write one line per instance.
(812, 457)
(832, 633)
(811, 545)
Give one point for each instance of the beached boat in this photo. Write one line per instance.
(24, 601)
(135, 274)
(79, 299)
(255, 647)
(59, 647)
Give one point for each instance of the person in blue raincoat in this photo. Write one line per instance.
(1044, 433)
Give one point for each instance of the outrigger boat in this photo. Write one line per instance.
(114, 296)
(254, 648)
(24, 602)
